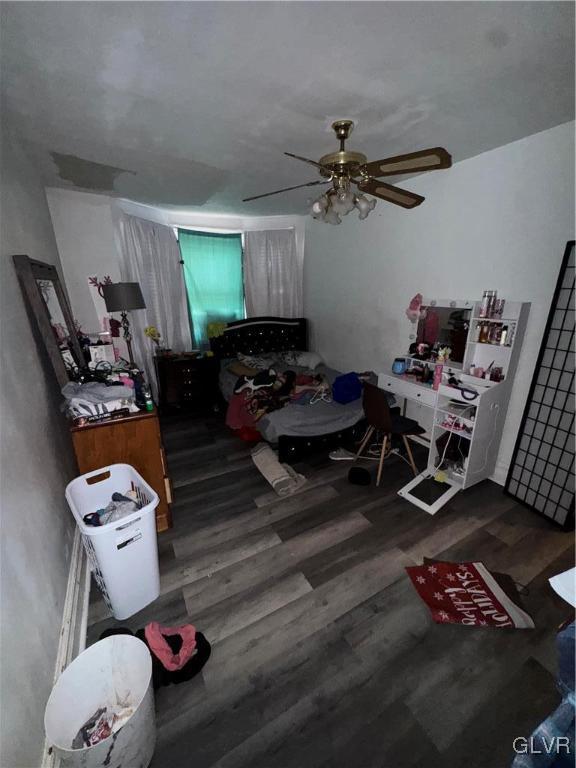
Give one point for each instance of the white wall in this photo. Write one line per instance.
(85, 237)
(36, 464)
(499, 220)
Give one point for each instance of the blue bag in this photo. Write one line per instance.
(346, 388)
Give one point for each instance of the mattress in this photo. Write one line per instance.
(300, 420)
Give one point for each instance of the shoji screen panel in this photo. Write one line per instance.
(541, 474)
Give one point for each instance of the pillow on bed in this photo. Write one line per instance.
(260, 363)
(241, 369)
(302, 359)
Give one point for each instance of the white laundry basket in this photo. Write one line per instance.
(113, 672)
(123, 554)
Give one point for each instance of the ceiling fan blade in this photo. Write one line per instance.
(391, 194)
(415, 162)
(287, 189)
(304, 159)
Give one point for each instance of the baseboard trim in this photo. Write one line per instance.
(74, 623)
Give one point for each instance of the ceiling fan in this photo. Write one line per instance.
(345, 169)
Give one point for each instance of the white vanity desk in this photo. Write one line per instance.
(480, 405)
(407, 389)
(404, 386)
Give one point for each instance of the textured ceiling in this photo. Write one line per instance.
(192, 104)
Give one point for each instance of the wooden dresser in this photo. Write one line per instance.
(134, 440)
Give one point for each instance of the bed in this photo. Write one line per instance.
(296, 430)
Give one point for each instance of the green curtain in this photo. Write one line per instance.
(213, 276)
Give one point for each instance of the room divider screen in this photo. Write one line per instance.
(541, 474)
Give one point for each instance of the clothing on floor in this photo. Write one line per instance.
(341, 454)
(157, 640)
(161, 675)
(283, 479)
(173, 636)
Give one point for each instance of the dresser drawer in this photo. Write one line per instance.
(401, 387)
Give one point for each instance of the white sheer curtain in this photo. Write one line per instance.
(149, 255)
(272, 278)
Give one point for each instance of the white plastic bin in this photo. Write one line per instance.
(123, 554)
(115, 671)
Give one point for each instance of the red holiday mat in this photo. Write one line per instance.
(468, 594)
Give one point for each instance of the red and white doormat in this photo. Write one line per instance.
(466, 593)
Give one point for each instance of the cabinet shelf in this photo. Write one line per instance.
(455, 478)
(458, 414)
(495, 319)
(489, 344)
(460, 432)
(452, 477)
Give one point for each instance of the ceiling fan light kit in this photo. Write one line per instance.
(344, 169)
(331, 206)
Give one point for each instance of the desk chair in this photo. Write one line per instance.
(390, 423)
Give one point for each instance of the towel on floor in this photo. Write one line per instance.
(283, 479)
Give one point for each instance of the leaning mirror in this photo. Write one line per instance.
(49, 307)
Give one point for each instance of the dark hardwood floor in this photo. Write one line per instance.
(323, 655)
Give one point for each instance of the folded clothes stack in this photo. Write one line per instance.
(95, 399)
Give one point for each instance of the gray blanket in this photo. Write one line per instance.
(300, 420)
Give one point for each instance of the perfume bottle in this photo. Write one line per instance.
(484, 333)
(487, 304)
(495, 333)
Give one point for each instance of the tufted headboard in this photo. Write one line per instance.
(260, 335)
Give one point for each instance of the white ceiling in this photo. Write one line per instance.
(192, 104)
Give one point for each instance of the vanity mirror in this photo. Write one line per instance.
(47, 302)
(444, 323)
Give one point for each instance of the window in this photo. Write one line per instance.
(213, 276)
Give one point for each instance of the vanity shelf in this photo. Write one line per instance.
(464, 419)
(460, 432)
(494, 319)
(489, 344)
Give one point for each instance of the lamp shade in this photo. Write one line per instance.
(122, 297)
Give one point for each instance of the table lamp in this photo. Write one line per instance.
(124, 297)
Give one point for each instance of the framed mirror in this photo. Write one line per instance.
(47, 302)
(445, 325)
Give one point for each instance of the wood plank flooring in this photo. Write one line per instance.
(323, 656)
